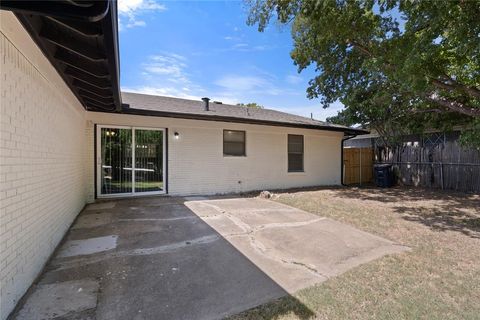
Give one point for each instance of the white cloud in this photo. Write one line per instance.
(163, 91)
(129, 10)
(240, 45)
(168, 66)
(166, 75)
(136, 23)
(255, 85)
(252, 84)
(260, 48)
(245, 47)
(293, 79)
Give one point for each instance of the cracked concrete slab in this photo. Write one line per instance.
(194, 198)
(101, 206)
(193, 258)
(224, 225)
(325, 246)
(295, 248)
(87, 246)
(93, 220)
(251, 211)
(64, 299)
(88, 260)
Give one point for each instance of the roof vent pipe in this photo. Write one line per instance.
(206, 100)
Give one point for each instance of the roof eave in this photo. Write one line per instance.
(81, 42)
(203, 117)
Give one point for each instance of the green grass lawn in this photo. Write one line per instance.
(438, 279)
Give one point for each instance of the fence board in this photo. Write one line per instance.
(358, 165)
(445, 166)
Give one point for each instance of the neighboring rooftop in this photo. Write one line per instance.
(144, 104)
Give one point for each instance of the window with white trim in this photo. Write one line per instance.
(234, 143)
(295, 153)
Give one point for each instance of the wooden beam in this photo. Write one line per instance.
(104, 93)
(85, 77)
(86, 94)
(95, 105)
(96, 70)
(87, 30)
(77, 45)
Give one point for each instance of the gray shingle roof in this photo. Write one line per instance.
(193, 109)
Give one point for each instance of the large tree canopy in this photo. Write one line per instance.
(403, 62)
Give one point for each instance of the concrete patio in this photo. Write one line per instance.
(191, 258)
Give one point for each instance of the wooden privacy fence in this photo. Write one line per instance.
(446, 166)
(357, 165)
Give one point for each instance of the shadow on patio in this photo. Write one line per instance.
(149, 258)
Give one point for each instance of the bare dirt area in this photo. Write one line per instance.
(439, 278)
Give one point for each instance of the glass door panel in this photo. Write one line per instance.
(148, 174)
(116, 161)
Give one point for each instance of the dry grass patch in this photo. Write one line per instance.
(438, 279)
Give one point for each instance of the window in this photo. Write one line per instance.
(295, 153)
(233, 143)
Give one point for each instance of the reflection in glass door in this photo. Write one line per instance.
(116, 155)
(148, 160)
(130, 161)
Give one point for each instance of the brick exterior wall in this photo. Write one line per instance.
(196, 164)
(42, 157)
(47, 159)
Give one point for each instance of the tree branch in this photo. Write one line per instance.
(453, 105)
(435, 98)
(428, 111)
(360, 47)
(452, 85)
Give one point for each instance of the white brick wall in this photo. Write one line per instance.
(47, 159)
(42, 157)
(196, 164)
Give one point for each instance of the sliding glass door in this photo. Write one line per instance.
(148, 160)
(116, 160)
(130, 161)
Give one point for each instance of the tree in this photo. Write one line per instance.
(405, 61)
(250, 105)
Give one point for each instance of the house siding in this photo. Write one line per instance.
(196, 164)
(42, 157)
(47, 159)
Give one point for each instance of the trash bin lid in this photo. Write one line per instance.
(383, 165)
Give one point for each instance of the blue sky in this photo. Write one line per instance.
(194, 49)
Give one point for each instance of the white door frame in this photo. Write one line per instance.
(99, 162)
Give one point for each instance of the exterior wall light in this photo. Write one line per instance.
(176, 135)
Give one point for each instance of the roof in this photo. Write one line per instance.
(371, 135)
(143, 104)
(80, 39)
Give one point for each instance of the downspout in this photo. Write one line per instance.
(341, 158)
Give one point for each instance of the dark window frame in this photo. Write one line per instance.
(244, 154)
(293, 152)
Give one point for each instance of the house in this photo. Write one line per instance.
(68, 136)
(429, 139)
(211, 148)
